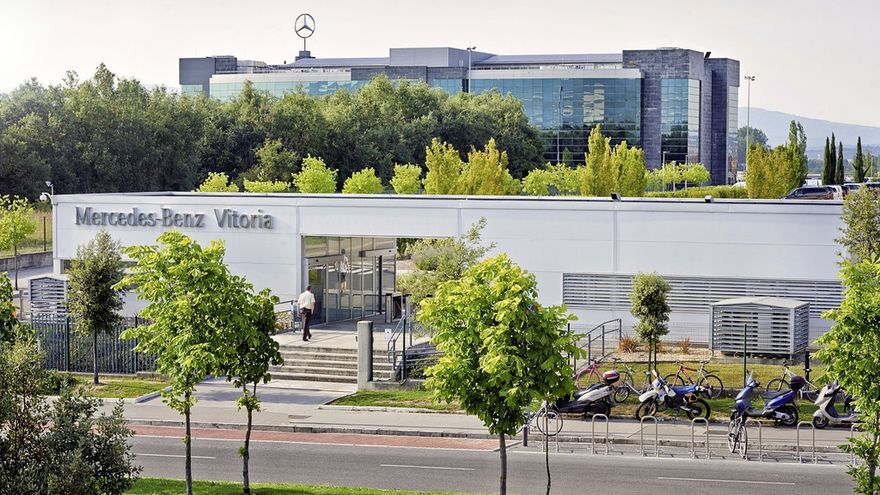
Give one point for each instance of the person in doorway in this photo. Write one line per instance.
(306, 303)
(344, 268)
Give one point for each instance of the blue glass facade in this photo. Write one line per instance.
(227, 91)
(680, 120)
(451, 86)
(568, 109)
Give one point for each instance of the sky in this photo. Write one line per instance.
(812, 58)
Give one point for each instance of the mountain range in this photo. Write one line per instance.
(775, 126)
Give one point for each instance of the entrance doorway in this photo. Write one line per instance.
(349, 275)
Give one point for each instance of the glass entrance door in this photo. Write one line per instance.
(317, 279)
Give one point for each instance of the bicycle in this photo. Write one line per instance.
(737, 435)
(810, 391)
(588, 375)
(627, 383)
(536, 420)
(714, 388)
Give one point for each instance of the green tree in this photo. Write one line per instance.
(444, 168)
(828, 167)
(363, 182)
(832, 164)
(92, 296)
(486, 174)
(266, 186)
(407, 179)
(668, 174)
(501, 349)
(8, 321)
(859, 165)
(694, 173)
(193, 300)
(598, 178)
(629, 169)
(757, 138)
(440, 260)
(841, 164)
(649, 307)
(315, 177)
(274, 163)
(253, 351)
(861, 225)
(850, 348)
(563, 179)
(217, 182)
(538, 182)
(795, 171)
(16, 224)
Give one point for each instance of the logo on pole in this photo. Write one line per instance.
(304, 26)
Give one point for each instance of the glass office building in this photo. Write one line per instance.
(676, 104)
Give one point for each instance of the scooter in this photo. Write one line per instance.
(827, 413)
(683, 398)
(596, 399)
(779, 406)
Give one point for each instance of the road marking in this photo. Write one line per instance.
(748, 482)
(426, 467)
(177, 456)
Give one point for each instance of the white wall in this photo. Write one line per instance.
(548, 236)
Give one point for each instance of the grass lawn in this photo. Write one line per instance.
(155, 486)
(116, 387)
(34, 242)
(395, 398)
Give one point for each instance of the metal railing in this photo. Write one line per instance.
(642, 436)
(597, 335)
(694, 440)
(798, 444)
(760, 437)
(593, 434)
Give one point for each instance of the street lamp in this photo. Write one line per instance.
(51, 187)
(748, 121)
(470, 50)
(559, 122)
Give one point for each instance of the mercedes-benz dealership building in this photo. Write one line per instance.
(583, 251)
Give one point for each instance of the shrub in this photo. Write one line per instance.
(628, 343)
(723, 192)
(684, 345)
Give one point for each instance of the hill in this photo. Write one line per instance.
(775, 125)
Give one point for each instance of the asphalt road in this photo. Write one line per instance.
(477, 471)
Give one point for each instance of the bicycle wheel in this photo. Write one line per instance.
(777, 385)
(714, 386)
(647, 408)
(621, 392)
(674, 379)
(809, 392)
(743, 441)
(698, 409)
(733, 433)
(585, 378)
(553, 420)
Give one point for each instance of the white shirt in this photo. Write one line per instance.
(306, 301)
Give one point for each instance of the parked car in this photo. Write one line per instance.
(874, 186)
(851, 187)
(815, 192)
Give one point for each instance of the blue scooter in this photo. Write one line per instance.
(779, 406)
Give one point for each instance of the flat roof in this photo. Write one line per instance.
(566, 58)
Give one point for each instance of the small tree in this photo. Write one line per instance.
(193, 301)
(650, 308)
(694, 173)
(217, 182)
(92, 296)
(850, 350)
(501, 349)
(839, 175)
(444, 168)
(16, 224)
(598, 178)
(8, 321)
(859, 165)
(538, 182)
(861, 225)
(266, 186)
(486, 173)
(363, 182)
(407, 179)
(274, 163)
(254, 351)
(315, 177)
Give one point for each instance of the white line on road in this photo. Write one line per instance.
(177, 456)
(426, 467)
(748, 482)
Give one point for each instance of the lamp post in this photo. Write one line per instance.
(748, 121)
(470, 50)
(51, 187)
(559, 122)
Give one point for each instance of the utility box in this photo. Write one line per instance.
(771, 326)
(48, 296)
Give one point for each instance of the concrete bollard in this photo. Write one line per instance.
(365, 354)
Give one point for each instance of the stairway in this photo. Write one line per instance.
(326, 364)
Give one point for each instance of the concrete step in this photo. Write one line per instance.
(322, 370)
(324, 356)
(281, 375)
(377, 366)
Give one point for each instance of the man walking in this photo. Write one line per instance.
(306, 303)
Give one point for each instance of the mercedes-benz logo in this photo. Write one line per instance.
(304, 26)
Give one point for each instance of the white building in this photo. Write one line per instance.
(583, 251)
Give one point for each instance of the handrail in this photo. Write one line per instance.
(586, 341)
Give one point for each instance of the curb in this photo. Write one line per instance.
(413, 410)
(151, 395)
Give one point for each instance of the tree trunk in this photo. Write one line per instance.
(502, 450)
(15, 262)
(246, 454)
(547, 450)
(95, 355)
(187, 441)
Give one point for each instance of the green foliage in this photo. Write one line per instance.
(407, 179)
(315, 177)
(8, 321)
(442, 260)
(158, 486)
(217, 182)
(649, 307)
(274, 164)
(861, 225)
(701, 192)
(501, 349)
(850, 348)
(859, 164)
(599, 176)
(538, 182)
(486, 173)
(694, 173)
(363, 182)
(564, 179)
(829, 171)
(757, 138)
(16, 224)
(266, 186)
(628, 168)
(771, 173)
(92, 296)
(444, 168)
(841, 163)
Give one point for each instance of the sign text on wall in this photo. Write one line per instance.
(226, 218)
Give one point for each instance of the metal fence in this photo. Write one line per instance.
(65, 349)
